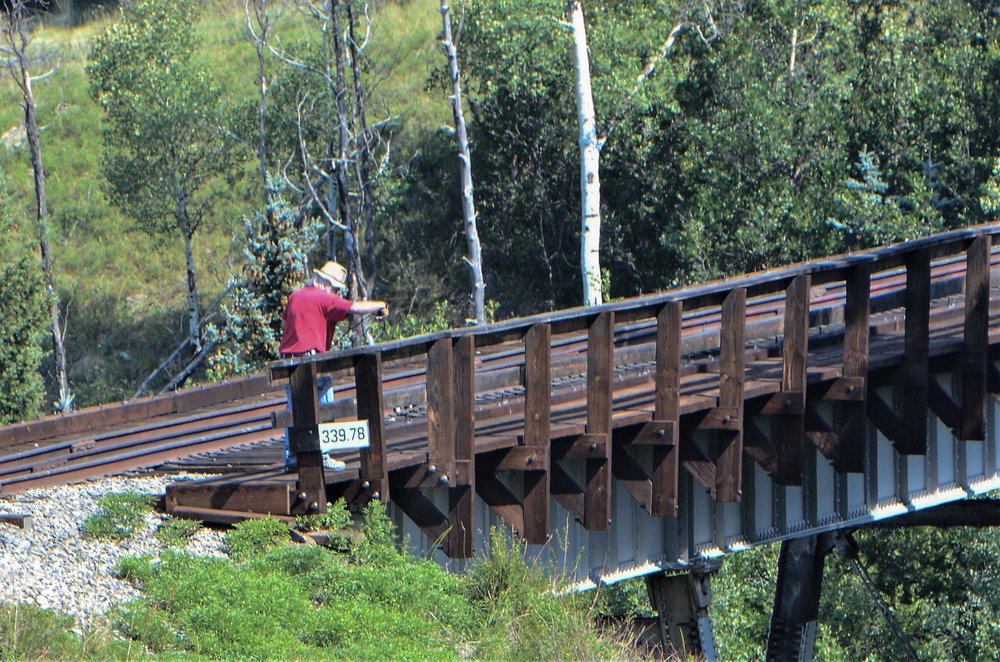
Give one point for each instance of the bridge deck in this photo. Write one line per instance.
(563, 406)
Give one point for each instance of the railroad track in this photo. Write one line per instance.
(228, 428)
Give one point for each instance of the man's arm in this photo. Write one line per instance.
(369, 306)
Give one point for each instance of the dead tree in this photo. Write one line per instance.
(16, 42)
(475, 258)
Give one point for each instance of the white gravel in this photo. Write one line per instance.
(54, 566)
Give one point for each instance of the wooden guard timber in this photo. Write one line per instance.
(559, 406)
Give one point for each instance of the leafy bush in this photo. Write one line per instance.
(336, 517)
(175, 532)
(254, 536)
(119, 515)
(521, 614)
(135, 569)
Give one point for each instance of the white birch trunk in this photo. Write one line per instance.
(590, 179)
(475, 259)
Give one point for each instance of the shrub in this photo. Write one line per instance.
(254, 536)
(135, 569)
(336, 517)
(119, 515)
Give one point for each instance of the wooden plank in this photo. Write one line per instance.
(917, 346)
(304, 437)
(943, 406)
(976, 340)
(537, 433)
(852, 416)
(565, 490)
(666, 459)
(582, 446)
(884, 418)
(722, 419)
(521, 458)
(537, 386)
(422, 512)
(794, 355)
(729, 467)
(696, 463)
(441, 404)
(20, 520)
(374, 465)
(632, 477)
(501, 500)
(759, 447)
(844, 389)
(461, 512)
(253, 496)
(600, 360)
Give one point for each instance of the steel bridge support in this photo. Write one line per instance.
(792, 635)
(681, 603)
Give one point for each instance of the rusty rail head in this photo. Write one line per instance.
(711, 294)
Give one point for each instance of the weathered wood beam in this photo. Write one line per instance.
(303, 436)
(461, 512)
(790, 444)
(374, 465)
(943, 406)
(422, 511)
(666, 459)
(537, 432)
(732, 374)
(600, 360)
(852, 413)
(565, 490)
(632, 477)
(917, 346)
(976, 339)
(500, 499)
(441, 404)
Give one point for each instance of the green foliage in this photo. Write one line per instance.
(119, 515)
(276, 258)
(175, 532)
(135, 569)
(337, 516)
(521, 614)
(990, 200)
(28, 632)
(253, 537)
(22, 323)
(742, 597)
(162, 112)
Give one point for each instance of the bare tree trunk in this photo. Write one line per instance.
(357, 284)
(365, 176)
(16, 34)
(260, 36)
(188, 227)
(590, 180)
(474, 259)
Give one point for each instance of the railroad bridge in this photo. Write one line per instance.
(657, 433)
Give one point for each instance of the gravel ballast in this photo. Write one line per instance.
(54, 566)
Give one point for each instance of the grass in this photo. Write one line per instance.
(273, 600)
(124, 290)
(119, 515)
(31, 633)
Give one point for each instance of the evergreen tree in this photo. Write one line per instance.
(276, 261)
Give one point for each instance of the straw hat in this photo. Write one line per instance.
(333, 273)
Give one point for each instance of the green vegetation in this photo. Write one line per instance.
(278, 601)
(119, 515)
(175, 532)
(30, 633)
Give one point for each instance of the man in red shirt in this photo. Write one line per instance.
(311, 315)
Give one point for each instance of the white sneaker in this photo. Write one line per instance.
(332, 464)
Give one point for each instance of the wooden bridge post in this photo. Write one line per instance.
(917, 345)
(852, 395)
(374, 469)
(537, 431)
(793, 383)
(459, 543)
(441, 406)
(303, 436)
(600, 359)
(666, 459)
(976, 340)
(732, 368)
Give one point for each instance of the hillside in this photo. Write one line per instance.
(124, 288)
